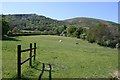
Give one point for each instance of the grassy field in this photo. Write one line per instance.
(67, 59)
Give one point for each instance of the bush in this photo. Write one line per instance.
(108, 43)
(113, 44)
(91, 41)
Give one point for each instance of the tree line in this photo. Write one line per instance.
(102, 34)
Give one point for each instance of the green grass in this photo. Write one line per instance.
(67, 59)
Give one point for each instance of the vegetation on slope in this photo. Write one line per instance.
(89, 22)
(104, 33)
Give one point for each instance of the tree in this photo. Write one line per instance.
(78, 32)
(103, 35)
(5, 27)
(91, 35)
(61, 29)
(70, 30)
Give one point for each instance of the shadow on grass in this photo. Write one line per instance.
(43, 69)
(7, 38)
(22, 78)
(36, 65)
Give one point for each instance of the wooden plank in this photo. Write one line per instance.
(30, 63)
(25, 50)
(25, 61)
(34, 51)
(19, 61)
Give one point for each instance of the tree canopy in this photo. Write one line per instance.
(5, 26)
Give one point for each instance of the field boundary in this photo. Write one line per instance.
(19, 51)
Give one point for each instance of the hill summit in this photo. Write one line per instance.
(89, 22)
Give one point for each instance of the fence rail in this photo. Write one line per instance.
(19, 51)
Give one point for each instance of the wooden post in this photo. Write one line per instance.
(34, 51)
(30, 63)
(19, 61)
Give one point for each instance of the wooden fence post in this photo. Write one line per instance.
(30, 63)
(19, 61)
(34, 51)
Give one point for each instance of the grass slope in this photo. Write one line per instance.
(68, 59)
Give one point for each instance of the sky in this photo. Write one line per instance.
(64, 10)
(59, 0)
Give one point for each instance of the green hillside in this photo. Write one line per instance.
(89, 22)
(33, 22)
(41, 23)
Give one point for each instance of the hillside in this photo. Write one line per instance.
(102, 32)
(33, 22)
(89, 22)
(41, 23)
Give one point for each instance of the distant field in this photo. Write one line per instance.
(68, 59)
